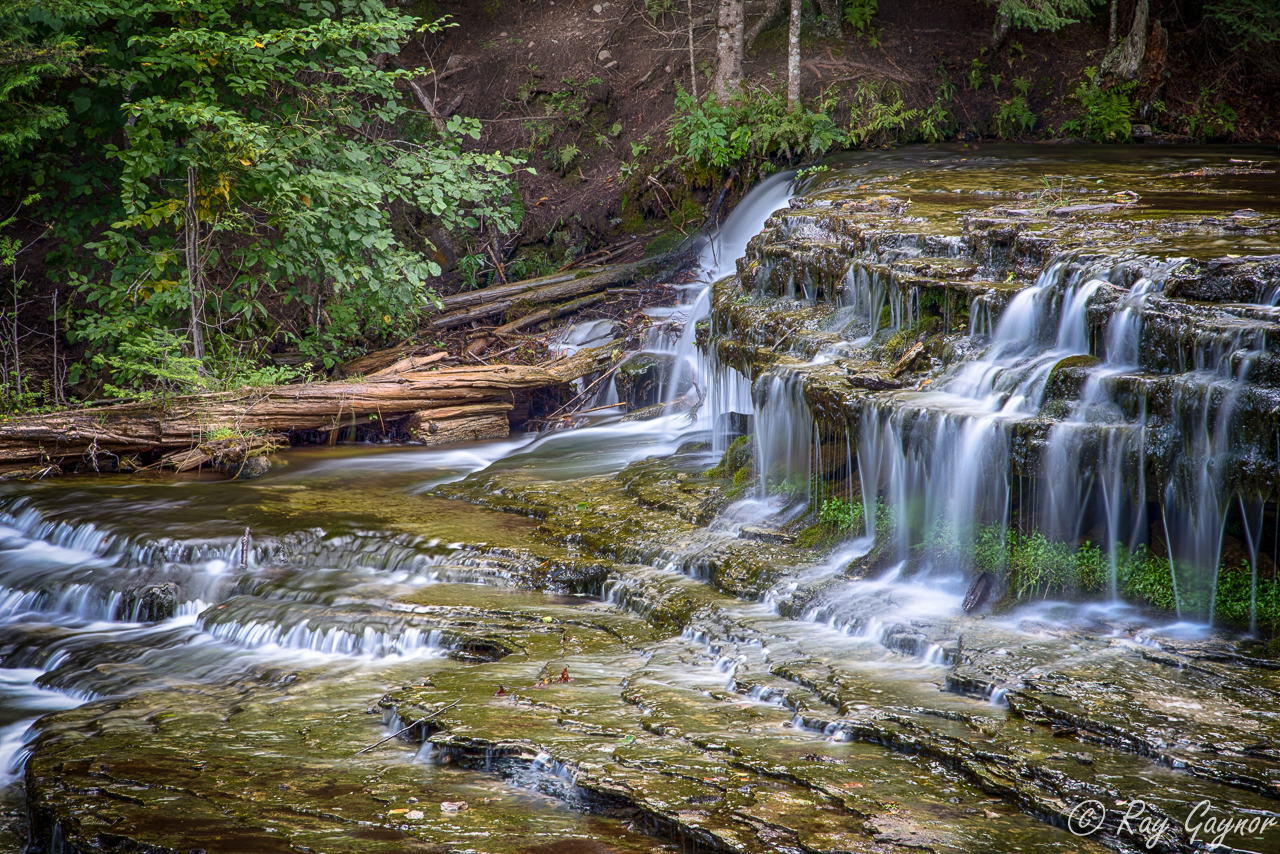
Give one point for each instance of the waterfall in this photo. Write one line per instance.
(1042, 424)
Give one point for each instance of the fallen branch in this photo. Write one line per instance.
(815, 64)
(553, 416)
(421, 720)
(478, 346)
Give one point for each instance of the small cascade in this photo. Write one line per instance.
(783, 441)
(941, 460)
(718, 258)
(331, 640)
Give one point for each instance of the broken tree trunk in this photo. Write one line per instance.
(1123, 60)
(186, 422)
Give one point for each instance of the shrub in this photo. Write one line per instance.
(1015, 115)
(838, 513)
(1210, 118)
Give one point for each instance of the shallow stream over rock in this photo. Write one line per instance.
(604, 639)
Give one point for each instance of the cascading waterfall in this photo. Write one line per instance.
(984, 446)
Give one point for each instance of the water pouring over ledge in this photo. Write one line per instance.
(800, 688)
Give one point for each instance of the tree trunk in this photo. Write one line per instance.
(793, 58)
(693, 68)
(771, 13)
(1123, 61)
(193, 266)
(1004, 26)
(1112, 34)
(831, 12)
(729, 46)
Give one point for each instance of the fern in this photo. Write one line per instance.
(858, 13)
(878, 115)
(754, 125)
(1108, 112)
(1013, 116)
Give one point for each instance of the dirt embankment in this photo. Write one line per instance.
(586, 88)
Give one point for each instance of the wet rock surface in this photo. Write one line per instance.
(672, 708)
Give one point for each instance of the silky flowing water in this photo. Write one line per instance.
(594, 641)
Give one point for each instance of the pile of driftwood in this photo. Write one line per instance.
(226, 428)
(433, 398)
(482, 318)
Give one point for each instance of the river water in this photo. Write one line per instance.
(605, 654)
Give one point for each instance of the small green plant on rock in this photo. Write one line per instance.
(839, 513)
(737, 464)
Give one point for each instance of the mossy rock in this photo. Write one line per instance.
(737, 457)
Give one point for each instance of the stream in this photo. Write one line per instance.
(1047, 367)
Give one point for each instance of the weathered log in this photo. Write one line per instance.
(477, 347)
(466, 299)
(379, 359)
(622, 274)
(430, 428)
(461, 309)
(186, 421)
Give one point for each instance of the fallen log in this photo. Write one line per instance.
(190, 420)
(469, 425)
(622, 274)
(461, 309)
(467, 299)
(477, 347)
